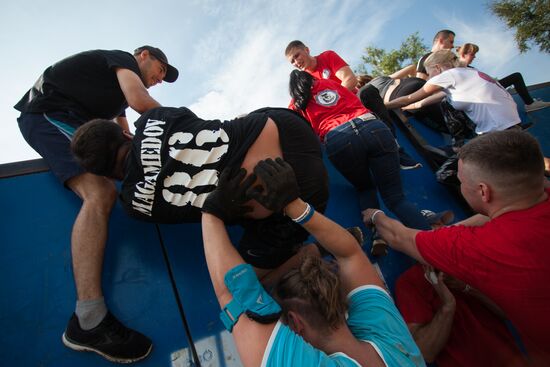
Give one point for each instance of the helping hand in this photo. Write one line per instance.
(280, 183)
(227, 200)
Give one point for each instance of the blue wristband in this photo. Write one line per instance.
(307, 217)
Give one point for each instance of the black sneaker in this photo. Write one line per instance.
(110, 339)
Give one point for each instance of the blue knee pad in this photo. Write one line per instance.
(249, 297)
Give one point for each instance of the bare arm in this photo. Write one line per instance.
(397, 236)
(474, 221)
(432, 337)
(425, 91)
(355, 269)
(348, 78)
(433, 99)
(459, 286)
(134, 91)
(250, 337)
(406, 72)
(122, 121)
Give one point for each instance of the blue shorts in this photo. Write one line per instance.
(50, 135)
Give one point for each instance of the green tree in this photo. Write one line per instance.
(377, 61)
(529, 18)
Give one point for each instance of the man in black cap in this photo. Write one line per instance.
(82, 87)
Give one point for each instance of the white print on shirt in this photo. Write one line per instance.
(327, 97)
(151, 161)
(326, 73)
(144, 194)
(203, 178)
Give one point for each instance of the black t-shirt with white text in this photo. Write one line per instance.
(176, 158)
(85, 84)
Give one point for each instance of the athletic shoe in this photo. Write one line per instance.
(356, 232)
(379, 245)
(407, 162)
(110, 339)
(536, 105)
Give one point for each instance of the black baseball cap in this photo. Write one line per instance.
(171, 72)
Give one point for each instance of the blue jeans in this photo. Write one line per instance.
(366, 154)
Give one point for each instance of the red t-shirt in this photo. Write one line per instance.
(478, 337)
(330, 105)
(508, 259)
(328, 63)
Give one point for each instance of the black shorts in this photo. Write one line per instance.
(50, 135)
(269, 242)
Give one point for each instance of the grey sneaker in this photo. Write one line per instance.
(110, 339)
(536, 105)
(356, 232)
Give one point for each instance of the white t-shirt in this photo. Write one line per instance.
(485, 101)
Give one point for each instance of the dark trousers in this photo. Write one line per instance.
(516, 79)
(366, 154)
(370, 98)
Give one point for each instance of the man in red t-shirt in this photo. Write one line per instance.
(327, 65)
(452, 323)
(502, 251)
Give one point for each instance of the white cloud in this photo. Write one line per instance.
(496, 43)
(247, 67)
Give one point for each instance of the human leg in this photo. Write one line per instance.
(89, 234)
(516, 80)
(50, 136)
(88, 240)
(370, 98)
(346, 150)
(384, 166)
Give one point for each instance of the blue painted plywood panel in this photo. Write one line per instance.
(37, 288)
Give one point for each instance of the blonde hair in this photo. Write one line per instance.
(445, 58)
(313, 291)
(467, 48)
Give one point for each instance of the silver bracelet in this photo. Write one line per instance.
(374, 215)
(303, 215)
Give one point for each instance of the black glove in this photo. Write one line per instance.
(280, 183)
(226, 201)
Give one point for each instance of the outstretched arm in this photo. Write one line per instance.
(348, 78)
(406, 72)
(425, 91)
(433, 99)
(134, 91)
(224, 204)
(354, 267)
(250, 336)
(432, 337)
(397, 236)
(282, 193)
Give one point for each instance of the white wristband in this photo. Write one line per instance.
(374, 215)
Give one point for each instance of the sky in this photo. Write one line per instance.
(230, 54)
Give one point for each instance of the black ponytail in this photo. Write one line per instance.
(300, 88)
